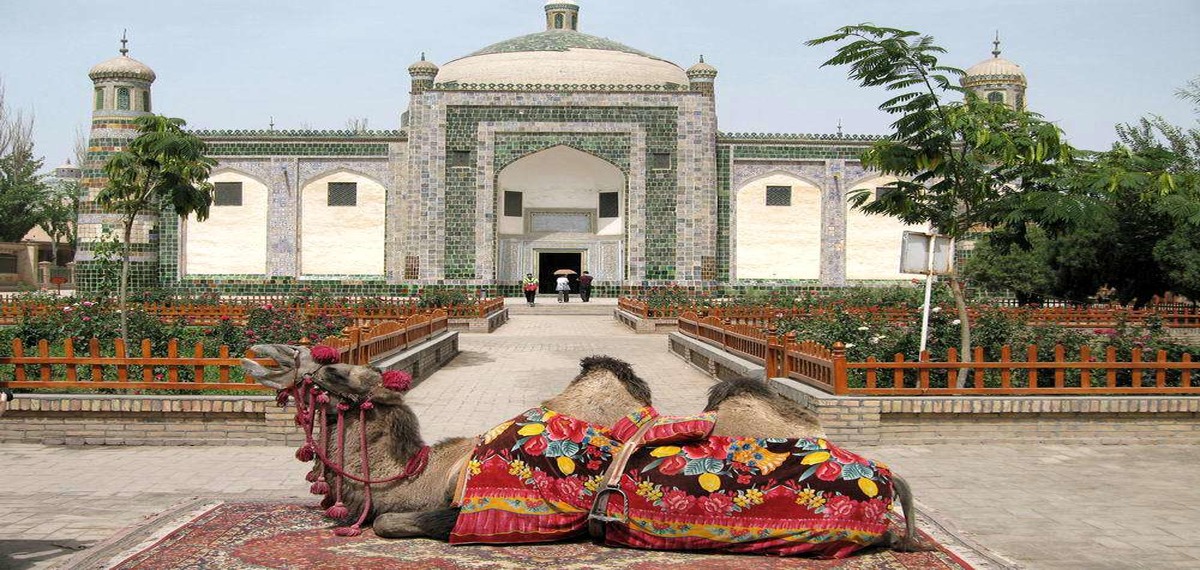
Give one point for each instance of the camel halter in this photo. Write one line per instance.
(310, 403)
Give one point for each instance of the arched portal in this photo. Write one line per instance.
(561, 206)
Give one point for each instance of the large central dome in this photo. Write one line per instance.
(562, 55)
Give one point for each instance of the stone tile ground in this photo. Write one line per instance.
(1042, 506)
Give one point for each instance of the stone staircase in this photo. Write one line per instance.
(549, 305)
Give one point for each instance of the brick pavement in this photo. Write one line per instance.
(1043, 506)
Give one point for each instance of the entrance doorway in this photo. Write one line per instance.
(551, 261)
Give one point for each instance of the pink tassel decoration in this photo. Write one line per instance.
(305, 453)
(319, 488)
(311, 476)
(338, 511)
(347, 531)
(367, 405)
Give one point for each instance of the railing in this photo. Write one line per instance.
(94, 370)
(1174, 316)
(828, 369)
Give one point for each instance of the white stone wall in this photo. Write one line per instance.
(561, 178)
(778, 242)
(233, 239)
(873, 241)
(342, 240)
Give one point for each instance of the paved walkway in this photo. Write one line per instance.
(1079, 506)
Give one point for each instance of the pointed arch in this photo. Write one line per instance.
(562, 180)
(233, 239)
(777, 239)
(342, 223)
(873, 240)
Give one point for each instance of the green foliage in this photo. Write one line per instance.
(437, 296)
(1000, 263)
(21, 190)
(106, 259)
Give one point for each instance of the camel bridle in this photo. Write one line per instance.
(311, 404)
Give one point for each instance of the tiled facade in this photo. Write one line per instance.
(441, 177)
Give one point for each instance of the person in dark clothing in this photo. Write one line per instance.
(585, 286)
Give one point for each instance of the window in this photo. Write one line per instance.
(558, 21)
(779, 195)
(882, 192)
(996, 97)
(146, 101)
(123, 98)
(99, 98)
(460, 158)
(1020, 101)
(574, 22)
(8, 263)
(343, 194)
(227, 194)
(660, 160)
(512, 204)
(609, 205)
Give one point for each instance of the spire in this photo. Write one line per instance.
(124, 50)
(996, 45)
(839, 128)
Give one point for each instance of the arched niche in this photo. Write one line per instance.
(561, 180)
(233, 239)
(873, 240)
(338, 237)
(778, 241)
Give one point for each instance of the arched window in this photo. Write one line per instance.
(123, 98)
(99, 98)
(558, 21)
(574, 22)
(995, 97)
(146, 101)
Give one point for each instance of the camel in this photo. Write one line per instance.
(291, 364)
(747, 407)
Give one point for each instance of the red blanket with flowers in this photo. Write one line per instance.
(533, 479)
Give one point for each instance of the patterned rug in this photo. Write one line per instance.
(206, 535)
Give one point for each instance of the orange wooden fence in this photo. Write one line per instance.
(828, 369)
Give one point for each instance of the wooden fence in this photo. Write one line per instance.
(1173, 316)
(827, 368)
(92, 369)
(238, 310)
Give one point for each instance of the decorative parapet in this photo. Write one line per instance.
(998, 77)
(795, 137)
(560, 87)
(211, 134)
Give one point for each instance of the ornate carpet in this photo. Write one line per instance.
(262, 535)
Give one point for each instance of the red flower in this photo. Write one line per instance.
(535, 445)
(564, 427)
(874, 510)
(845, 457)
(593, 465)
(570, 487)
(324, 354)
(672, 465)
(677, 501)
(829, 471)
(717, 504)
(743, 479)
(841, 506)
(713, 447)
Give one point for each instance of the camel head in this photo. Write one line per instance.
(605, 390)
(747, 407)
(291, 363)
(357, 384)
(393, 422)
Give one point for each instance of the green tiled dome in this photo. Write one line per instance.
(559, 40)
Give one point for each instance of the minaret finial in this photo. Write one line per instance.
(839, 128)
(124, 40)
(701, 58)
(271, 125)
(996, 45)
(422, 56)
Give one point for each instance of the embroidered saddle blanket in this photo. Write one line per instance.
(534, 479)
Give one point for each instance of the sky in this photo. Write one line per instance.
(235, 64)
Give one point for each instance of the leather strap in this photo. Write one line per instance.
(598, 515)
(458, 473)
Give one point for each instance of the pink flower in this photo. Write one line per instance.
(321, 353)
(672, 465)
(564, 427)
(677, 501)
(87, 318)
(717, 504)
(829, 471)
(874, 510)
(845, 457)
(841, 506)
(536, 445)
(570, 487)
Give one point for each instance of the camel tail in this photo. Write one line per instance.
(911, 541)
(438, 524)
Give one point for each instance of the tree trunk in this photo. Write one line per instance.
(123, 288)
(54, 245)
(960, 303)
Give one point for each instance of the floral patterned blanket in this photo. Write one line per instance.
(534, 478)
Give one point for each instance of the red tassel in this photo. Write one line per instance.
(326, 502)
(311, 476)
(322, 398)
(338, 511)
(367, 405)
(305, 453)
(299, 419)
(343, 407)
(347, 531)
(319, 488)
(281, 398)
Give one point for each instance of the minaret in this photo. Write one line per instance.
(997, 79)
(701, 77)
(562, 15)
(121, 94)
(422, 72)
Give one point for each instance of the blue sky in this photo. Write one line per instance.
(317, 63)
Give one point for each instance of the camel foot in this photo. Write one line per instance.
(397, 525)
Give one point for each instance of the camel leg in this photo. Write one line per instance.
(397, 525)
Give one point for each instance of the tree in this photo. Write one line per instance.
(967, 163)
(20, 183)
(57, 210)
(163, 164)
(1020, 264)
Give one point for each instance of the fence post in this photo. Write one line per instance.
(841, 384)
(772, 370)
(788, 340)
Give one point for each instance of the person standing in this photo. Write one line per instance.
(563, 286)
(530, 286)
(585, 286)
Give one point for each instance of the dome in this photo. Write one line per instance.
(562, 57)
(122, 66)
(702, 69)
(995, 67)
(423, 67)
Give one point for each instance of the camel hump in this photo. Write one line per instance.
(620, 369)
(741, 386)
